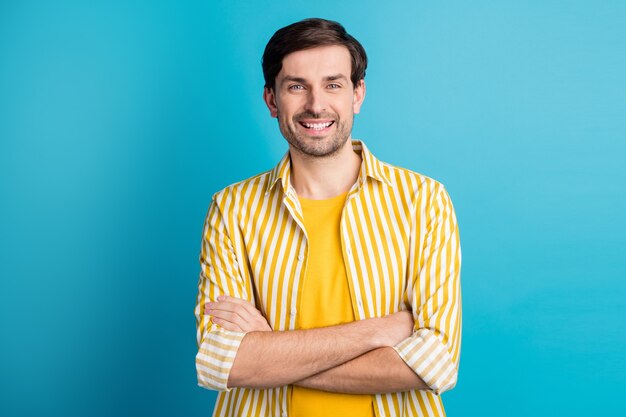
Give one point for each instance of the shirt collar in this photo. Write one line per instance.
(371, 167)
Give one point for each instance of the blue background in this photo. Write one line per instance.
(119, 119)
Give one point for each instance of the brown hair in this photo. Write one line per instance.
(307, 34)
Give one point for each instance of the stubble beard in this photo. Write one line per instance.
(316, 147)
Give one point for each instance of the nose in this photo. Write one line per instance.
(315, 102)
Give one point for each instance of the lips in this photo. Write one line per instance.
(317, 126)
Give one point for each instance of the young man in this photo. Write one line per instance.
(329, 286)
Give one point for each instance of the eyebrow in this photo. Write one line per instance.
(301, 80)
(294, 79)
(335, 77)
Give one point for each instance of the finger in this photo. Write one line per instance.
(243, 325)
(234, 327)
(250, 319)
(228, 316)
(248, 306)
(230, 307)
(232, 318)
(223, 306)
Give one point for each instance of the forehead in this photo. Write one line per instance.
(316, 63)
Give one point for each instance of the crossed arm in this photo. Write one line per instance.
(236, 347)
(350, 358)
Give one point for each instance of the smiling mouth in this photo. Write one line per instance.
(317, 126)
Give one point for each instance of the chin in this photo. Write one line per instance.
(319, 147)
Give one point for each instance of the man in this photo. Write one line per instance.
(329, 286)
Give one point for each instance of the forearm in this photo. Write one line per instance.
(271, 359)
(376, 372)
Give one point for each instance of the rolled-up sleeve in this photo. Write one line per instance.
(219, 275)
(432, 351)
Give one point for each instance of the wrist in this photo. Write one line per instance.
(375, 335)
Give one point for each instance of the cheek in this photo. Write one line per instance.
(283, 120)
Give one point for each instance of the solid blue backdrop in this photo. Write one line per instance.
(119, 119)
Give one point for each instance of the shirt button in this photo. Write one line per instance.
(293, 312)
(349, 251)
(284, 414)
(300, 258)
(360, 303)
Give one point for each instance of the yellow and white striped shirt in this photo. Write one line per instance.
(400, 243)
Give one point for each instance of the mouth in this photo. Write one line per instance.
(317, 126)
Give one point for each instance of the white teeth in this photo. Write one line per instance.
(317, 126)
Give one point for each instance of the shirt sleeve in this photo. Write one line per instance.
(219, 275)
(434, 291)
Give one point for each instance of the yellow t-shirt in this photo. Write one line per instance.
(325, 301)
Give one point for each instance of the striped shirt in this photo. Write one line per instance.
(400, 244)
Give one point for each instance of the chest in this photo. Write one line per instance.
(375, 238)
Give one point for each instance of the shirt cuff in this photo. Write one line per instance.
(427, 355)
(216, 356)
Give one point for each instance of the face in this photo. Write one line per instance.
(315, 101)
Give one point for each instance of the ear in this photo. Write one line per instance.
(270, 101)
(359, 96)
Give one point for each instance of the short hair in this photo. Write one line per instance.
(307, 34)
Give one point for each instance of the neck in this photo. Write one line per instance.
(326, 177)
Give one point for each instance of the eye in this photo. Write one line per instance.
(296, 87)
(333, 86)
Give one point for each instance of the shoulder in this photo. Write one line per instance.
(410, 183)
(245, 190)
(423, 196)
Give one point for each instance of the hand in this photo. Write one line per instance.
(236, 315)
(398, 326)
